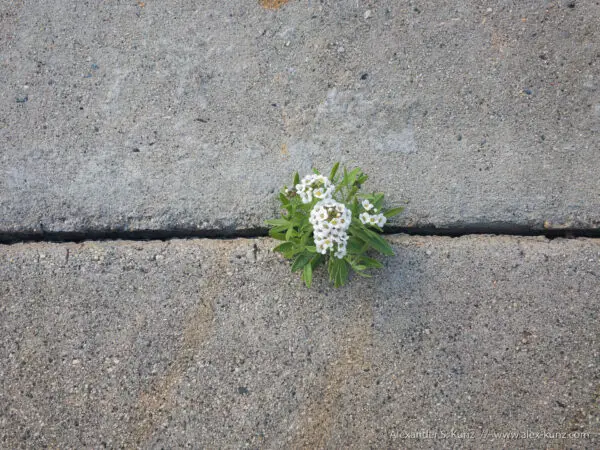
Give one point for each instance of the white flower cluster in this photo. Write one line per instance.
(316, 186)
(371, 219)
(330, 221)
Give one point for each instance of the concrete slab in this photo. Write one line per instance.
(214, 344)
(178, 115)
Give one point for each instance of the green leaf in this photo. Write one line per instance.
(354, 207)
(342, 274)
(393, 212)
(362, 179)
(278, 222)
(378, 200)
(289, 249)
(317, 260)
(301, 260)
(362, 274)
(352, 193)
(334, 170)
(285, 247)
(278, 233)
(338, 271)
(373, 239)
(296, 179)
(283, 199)
(362, 263)
(354, 245)
(370, 263)
(352, 176)
(290, 233)
(307, 275)
(305, 235)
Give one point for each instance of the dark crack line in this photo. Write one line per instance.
(165, 235)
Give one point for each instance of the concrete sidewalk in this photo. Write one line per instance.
(209, 343)
(188, 116)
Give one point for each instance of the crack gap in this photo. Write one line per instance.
(166, 235)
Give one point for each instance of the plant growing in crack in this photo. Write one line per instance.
(328, 221)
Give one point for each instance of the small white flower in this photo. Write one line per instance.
(381, 220)
(330, 221)
(366, 204)
(305, 196)
(364, 218)
(340, 253)
(316, 186)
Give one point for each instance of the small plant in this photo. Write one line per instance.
(326, 220)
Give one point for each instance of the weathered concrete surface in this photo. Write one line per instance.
(214, 344)
(188, 115)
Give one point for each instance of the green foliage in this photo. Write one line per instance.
(363, 239)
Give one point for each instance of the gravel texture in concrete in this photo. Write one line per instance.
(214, 344)
(163, 115)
